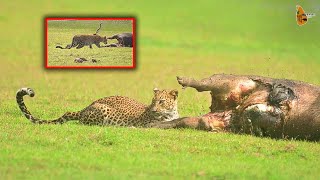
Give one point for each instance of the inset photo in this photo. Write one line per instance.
(90, 42)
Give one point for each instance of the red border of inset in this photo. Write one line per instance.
(89, 18)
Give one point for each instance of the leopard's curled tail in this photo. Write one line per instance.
(69, 46)
(28, 91)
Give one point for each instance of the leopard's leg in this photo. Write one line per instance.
(90, 46)
(73, 45)
(98, 45)
(103, 115)
(69, 46)
(91, 115)
(80, 46)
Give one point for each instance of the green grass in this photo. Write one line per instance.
(61, 33)
(174, 38)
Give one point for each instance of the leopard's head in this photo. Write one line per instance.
(105, 40)
(164, 106)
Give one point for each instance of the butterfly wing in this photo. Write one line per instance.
(301, 16)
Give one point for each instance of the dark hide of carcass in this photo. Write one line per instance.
(261, 106)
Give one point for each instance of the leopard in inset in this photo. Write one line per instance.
(79, 41)
(114, 110)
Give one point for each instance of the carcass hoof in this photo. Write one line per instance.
(182, 82)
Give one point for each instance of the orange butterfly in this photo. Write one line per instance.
(302, 17)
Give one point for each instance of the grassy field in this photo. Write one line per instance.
(61, 33)
(174, 38)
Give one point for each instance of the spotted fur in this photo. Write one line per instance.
(80, 41)
(114, 110)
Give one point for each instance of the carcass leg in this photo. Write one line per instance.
(215, 122)
(202, 85)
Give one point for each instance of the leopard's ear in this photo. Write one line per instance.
(155, 90)
(174, 93)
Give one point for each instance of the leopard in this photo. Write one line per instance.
(79, 41)
(114, 110)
